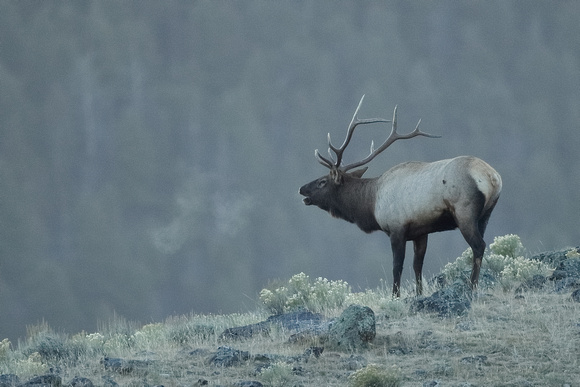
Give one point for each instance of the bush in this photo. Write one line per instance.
(302, 294)
(5, 349)
(375, 375)
(508, 245)
(504, 259)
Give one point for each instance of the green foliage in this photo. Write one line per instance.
(503, 260)
(302, 293)
(508, 245)
(374, 375)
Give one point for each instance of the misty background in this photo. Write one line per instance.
(151, 151)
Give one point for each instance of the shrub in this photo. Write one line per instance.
(508, 245)
(5, 349)
(522, 269)
(302, 293)
(455, 270)
(375, 375)
(573, 253)
(504, 260)
(32, 365)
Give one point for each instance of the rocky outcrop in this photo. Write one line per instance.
(452, 300)
(354, 329)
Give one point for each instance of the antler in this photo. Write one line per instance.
(394, 136)
(332, 163)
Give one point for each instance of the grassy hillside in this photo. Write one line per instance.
(511, 336)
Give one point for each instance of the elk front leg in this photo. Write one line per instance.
(419, 247)
(398, 247)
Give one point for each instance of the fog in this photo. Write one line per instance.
(151, 152)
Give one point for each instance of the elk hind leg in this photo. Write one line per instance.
(419, 247)
(470, 229)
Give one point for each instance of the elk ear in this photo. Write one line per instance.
(359, 172)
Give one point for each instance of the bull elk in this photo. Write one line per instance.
(409, 201)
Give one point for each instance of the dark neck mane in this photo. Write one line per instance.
(356, 203)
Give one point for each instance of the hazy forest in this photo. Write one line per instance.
(151, 151)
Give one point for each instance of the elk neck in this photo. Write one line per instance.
(356, 203)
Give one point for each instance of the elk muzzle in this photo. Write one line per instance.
(305, 192)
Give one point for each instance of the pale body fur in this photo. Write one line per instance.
(417, 193)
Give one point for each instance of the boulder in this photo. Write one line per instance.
(354, 329)
(9, 380)
(576, 295)
(567, 268)
(566, 275)
(553, 258)
(48, 380)
(78, 381)
(449, 301)
(228, 357)
(295, 321)
(124, 367)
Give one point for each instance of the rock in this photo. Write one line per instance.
(246, 331)
(295, 321)
(486, 279)
(116, 365)
(109, 382)
(313, 351)
(354, 329)
(308, 333)
(449, 301)
(228, 357)
(9, 380)
(553, 258)
(566, 275)
(567, 268)
(250, 383)
(537, 282)
(576, 295)
(123, 367)
(49, 380)
(566, 284)
(480, 359)
(78, 381)
(299, 320)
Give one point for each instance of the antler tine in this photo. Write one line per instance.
(323, 160)
(350, 129)
(393, 136)
(353, 124)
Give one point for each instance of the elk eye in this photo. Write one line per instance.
(322, 183)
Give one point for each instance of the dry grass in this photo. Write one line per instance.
(504, 340)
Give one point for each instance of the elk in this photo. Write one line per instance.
(409, 201)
